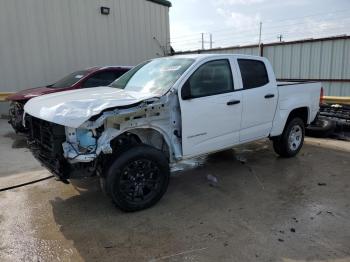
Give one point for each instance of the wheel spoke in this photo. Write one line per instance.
(295, 137)
(139, 180)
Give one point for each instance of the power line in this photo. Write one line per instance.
(268, 30)
(267, 22)
(291, 35)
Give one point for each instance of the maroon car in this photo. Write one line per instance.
(92, 77)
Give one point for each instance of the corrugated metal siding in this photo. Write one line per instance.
(236, 50)
(336, 88)
(316, 59)
(43, 40)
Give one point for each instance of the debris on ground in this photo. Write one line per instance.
(241, 159)
(213, 181)
(322, 184)
(292, 230)
(256, 177)
(210, 235)
(107, 247)
(280, 240)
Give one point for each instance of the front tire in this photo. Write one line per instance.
(138, 178)
(15, 117)
(290, 142)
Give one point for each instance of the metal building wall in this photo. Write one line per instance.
(326, 60)
(43, 40)
(246, 50)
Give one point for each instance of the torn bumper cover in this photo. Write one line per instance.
(45, 140)
(75, 152)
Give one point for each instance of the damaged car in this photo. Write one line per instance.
(91, 77)
(164, 111)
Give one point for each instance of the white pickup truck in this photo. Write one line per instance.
(161, 112)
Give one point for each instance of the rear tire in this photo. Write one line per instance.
(290, 142)
(138, 178)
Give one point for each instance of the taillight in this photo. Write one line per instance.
(321, 96)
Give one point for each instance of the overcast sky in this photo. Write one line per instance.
(236, 22)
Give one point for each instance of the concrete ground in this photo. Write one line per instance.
(262, 208)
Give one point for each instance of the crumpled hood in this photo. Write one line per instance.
(73, 108)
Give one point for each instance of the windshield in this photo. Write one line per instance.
(156, 76)
(70, 80)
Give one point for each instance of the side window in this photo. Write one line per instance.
(253, 73)
(101, 79)
(118, 74)
(212, 78)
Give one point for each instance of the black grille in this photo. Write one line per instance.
(46, 141)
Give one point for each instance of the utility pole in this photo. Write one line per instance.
(205, 42)
(202, 41)
(280, 36)
(260, 28)
(211, 41)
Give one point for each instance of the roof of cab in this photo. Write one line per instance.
(203, 56)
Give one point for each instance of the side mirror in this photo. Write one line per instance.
(186, 91)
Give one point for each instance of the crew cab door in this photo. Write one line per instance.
(210, 108)
(259, 99)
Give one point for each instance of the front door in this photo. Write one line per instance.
(211, 110)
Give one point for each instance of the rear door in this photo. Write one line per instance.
(259, 99)
(211, 116)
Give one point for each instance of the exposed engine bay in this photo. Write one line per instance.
(81, 152)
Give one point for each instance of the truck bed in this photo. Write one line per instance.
(288, 83)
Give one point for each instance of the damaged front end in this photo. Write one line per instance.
(47, 140)
(82, 152)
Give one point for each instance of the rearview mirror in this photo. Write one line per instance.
(186, 91)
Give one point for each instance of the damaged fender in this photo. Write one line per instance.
(157, 114)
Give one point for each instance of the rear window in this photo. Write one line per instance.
(70, 80)
(253, 73)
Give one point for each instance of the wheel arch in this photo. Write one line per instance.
(152, 136)
(301, 112)
(283, 117)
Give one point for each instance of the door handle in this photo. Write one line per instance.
(269, 96)
(233, 102)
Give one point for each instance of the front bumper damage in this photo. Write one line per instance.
(45, 141)
(80, 152)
